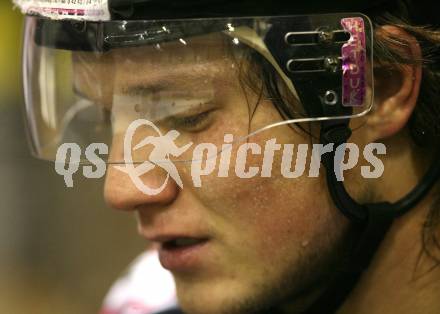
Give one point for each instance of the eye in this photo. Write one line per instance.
(193, 123)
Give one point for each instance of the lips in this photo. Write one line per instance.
(180, 243)
(180, 252)
(183, 253)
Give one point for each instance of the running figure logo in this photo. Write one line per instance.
(163, 147)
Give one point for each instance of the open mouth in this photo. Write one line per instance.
(180, 243)
(183, 253)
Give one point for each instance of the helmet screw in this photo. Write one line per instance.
(325, 36)
(331, 64)
(330, 97)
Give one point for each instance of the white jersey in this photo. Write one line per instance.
(145, 288)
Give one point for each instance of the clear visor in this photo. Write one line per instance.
(156, 90)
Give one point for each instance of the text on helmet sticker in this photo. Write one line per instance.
(84, 10)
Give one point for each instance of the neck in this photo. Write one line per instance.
(403, 277)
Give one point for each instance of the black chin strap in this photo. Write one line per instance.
(372, 220)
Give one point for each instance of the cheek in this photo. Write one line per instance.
(290, 216)
(272, 222)
(264, 214)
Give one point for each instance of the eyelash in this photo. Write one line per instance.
(193, 123)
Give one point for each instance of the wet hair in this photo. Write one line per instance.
(424, 124)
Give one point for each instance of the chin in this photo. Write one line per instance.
(202, 302)
(210, 297)
(203, 305)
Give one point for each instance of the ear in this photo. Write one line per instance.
(396, 86)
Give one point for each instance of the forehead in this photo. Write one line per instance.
(180, 61)
(193, 50)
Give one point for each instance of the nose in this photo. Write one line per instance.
(145, 177)
(131, 186)
(121, 192)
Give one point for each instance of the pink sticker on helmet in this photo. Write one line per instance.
(354, 59)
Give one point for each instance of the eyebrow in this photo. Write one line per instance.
(144, 88)
(167, 81)
(184, 77)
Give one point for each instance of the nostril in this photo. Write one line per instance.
(122, 193)
(115, 199)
